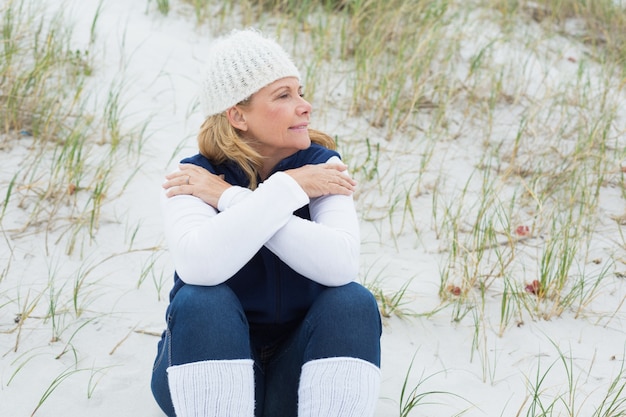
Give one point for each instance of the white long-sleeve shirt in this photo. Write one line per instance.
(208, 246)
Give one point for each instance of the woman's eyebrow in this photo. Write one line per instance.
(287, 87)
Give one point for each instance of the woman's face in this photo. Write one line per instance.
(276, 119)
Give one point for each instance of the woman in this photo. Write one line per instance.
(265, 318)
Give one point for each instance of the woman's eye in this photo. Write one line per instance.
(288, 95)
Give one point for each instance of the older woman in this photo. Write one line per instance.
(265, 316)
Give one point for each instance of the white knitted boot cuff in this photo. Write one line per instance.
(338, 387)
(213, 388)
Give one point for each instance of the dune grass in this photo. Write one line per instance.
(68, 149)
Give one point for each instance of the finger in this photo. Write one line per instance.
(184, 167)
(174, 191)
(171, 181)
(195, 171)
(188, 169)
(347, 187)
(351, 183)
(177, 181)
(348, 180)
(173, 175)
(183, 170)
(179, 190)
(342, 170)
(339, 190)
(337, 166)
(344, 180)
(178, 174)
(182, 180)
(341, 187)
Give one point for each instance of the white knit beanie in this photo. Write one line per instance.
(239, 65)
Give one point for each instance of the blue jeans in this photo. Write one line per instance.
(209, 323)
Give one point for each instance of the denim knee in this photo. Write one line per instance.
(345, 321)
(195, 302)
(351, 302)
(207, 323)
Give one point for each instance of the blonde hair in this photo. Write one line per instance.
(219, 142)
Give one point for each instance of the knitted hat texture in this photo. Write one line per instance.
(239, 65)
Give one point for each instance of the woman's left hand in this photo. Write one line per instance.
(193, 180)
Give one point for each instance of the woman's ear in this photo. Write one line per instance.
(236, 118)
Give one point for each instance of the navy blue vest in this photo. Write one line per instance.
(270, 292)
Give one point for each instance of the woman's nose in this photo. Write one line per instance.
(304, 106)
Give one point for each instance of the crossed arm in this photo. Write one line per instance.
(213, 229)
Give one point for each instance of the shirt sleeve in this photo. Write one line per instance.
(207, 248)
(325, 248)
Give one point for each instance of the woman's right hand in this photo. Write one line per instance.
(194, 180)
(323, 179)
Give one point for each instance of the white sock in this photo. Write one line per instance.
(222, 388)
(338, 387)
